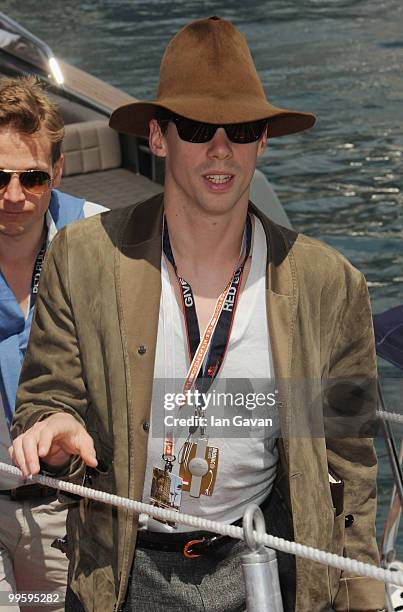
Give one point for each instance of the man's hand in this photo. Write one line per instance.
(55, 440)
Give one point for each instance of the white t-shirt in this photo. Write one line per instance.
(247, 464)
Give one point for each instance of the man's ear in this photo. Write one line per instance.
(156, 139)
(58, 171)
(263, 143)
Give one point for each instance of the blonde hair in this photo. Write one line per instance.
(25, 106)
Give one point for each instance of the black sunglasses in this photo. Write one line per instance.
(34, 181)
(198, 132)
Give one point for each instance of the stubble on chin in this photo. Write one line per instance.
(11, 230)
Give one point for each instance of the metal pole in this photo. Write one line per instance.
(259, 567)
(395, 463)
(391, 449)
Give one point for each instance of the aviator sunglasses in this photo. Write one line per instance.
(198, 132)
(36, 182)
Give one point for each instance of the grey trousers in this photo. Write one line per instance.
(168, 582)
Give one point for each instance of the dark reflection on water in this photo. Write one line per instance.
(340, 59)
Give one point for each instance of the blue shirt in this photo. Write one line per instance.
(14, 327)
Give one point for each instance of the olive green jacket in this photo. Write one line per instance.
(99, 302)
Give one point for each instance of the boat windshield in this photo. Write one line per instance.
(21, 44)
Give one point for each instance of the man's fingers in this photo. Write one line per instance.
(87, 449)
(68, 443)
(18, 457)
(45, 442)
(76, 442)
(30, 449)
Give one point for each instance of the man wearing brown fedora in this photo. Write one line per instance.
(197, 286)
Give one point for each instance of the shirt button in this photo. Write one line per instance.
(146, 426)
(349, 520)
(141, 350)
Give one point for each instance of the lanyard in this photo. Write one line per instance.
(36, 273)
(206, 354)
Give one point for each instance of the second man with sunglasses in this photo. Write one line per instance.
(198, 287)
(32, 210)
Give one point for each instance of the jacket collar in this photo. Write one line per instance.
(143, 223)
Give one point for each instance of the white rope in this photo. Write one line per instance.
(390, 416)
(343, 563)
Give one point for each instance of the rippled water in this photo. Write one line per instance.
(341, 59)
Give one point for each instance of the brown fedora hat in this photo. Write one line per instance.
(207, 74)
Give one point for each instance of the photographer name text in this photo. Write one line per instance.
(213, 421)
